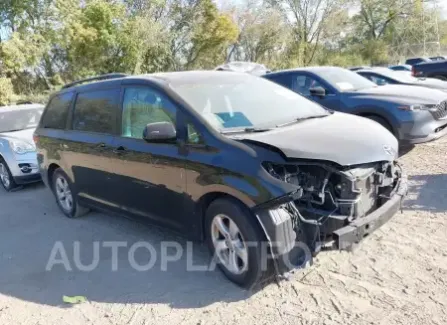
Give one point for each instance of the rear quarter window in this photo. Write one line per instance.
(56, 113)
(96, 111)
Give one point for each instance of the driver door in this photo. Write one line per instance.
(301, 83)
(151, 180)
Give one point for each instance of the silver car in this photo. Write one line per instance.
(18, 160)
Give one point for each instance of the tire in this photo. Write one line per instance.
(381, 121)
(225, 211)
(6, 178)
(63, 192)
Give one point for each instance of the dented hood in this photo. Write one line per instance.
(341, 138)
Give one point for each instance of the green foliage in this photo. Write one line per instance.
(47, 43)
(6, 91)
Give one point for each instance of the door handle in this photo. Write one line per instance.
(119, 150)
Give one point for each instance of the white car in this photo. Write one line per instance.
(18, 160)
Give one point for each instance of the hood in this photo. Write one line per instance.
(403, 93)
(341, 138)
(24, 135)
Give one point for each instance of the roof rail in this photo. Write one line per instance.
(97, 78)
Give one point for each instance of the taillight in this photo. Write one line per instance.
(413, 72)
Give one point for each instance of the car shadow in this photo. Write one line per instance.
(427, 192)
(32, 229)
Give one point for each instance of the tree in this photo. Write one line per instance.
(308, 19)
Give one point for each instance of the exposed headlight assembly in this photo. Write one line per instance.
(21, 147)
(419, 107)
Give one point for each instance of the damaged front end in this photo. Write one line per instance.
(332, 206)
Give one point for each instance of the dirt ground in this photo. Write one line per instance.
(396, 276)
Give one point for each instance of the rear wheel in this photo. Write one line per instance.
(65, 197)
(235, 240)
(6, 178)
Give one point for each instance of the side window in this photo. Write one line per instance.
(193, 135)
(95, 111)
(282, 79)
(302, 83)
(55, 116)
(142, 106)
(378, 80)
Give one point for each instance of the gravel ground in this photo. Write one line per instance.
(398, 275)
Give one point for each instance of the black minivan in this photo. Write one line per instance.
(225, 157)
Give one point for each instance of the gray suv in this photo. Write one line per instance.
(18, 162)
(413, 114)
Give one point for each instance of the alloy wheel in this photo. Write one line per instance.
(4, 176)
(229, 245)
(63, 194)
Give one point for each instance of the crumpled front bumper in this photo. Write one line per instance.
(360, 228)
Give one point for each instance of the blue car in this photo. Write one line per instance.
(412, 114)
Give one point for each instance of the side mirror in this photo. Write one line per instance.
(159, 132)
(318, 92)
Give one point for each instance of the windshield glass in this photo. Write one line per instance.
(233, 100)
(400, 76)
(345, 80)
(16, 119)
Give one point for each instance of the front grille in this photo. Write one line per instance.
(441, 111)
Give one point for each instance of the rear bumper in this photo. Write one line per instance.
(353, 233)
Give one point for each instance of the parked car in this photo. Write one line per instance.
(437, 58)
(359, 68)
(242, 66)
(402, 67)
(225, 157)
(384, 76)
(413, 114)
(435, 69)
(18, 164)
(414, 61)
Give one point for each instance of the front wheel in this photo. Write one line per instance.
(235, 240)
(6, 178)
(65, 197)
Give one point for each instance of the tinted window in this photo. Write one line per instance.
(95, 111)
(193, 135)
(282, 79)
(303, 83)
(55, 116)
(142, 106)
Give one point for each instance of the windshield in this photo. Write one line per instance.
(345, 80)
(400, 76)
(16, 119)
(233, 100)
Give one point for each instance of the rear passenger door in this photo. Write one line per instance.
(89, 153)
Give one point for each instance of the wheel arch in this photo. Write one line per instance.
(368, 113)
(50, 172)
(205, 201)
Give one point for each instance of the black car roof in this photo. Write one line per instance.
(163, 79)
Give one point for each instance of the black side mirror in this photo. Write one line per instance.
(318, 92)
(159, 132)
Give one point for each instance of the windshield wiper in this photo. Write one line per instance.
(246, 130)
(299, 120)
